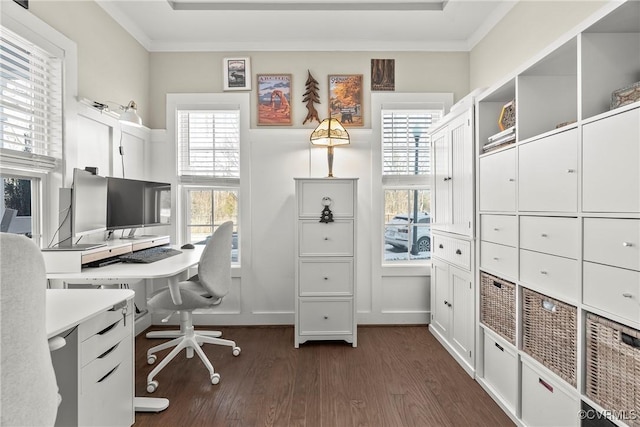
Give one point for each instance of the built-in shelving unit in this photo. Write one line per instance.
(559, 220)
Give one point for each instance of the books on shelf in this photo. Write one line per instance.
(507, 136)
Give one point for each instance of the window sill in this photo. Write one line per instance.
(404, 270)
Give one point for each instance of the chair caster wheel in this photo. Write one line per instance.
(215, 378)
(236, 351)
(152, 386)
(151, 359)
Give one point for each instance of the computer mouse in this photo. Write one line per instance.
(187, 246)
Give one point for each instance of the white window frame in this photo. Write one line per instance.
(44, 209)
(215, 101)
(397, 101)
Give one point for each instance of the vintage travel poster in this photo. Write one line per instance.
(274, 99)
(345, 99)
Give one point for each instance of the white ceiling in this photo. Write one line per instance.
(307, 25)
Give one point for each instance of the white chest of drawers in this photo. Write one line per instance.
(325, 254)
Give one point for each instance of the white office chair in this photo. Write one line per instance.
(28, 391)
(204, 290)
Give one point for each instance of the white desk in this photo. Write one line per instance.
(170, 268)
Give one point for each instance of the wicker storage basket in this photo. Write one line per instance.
(613, 367)
(549, 333)
(498, 306)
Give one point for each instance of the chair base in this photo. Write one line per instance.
(191, 341)
(176, 334)
(150, 404)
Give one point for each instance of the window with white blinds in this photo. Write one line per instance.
(405, 144)
(30, 104)
(209, 145)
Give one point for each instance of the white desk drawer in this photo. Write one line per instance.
(106, 252)
(99, 343)
(552, 235)
(614, 290)
(501, 368)
(321, 316)
(612, 241)
(341, 193)
(551, 275)
(101, 321)
(544, 402)
(499, 259)
(502, 229)
(101, 367)
(322, 277)
(326, 239)
(455, 251)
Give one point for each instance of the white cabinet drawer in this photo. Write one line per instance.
(106, 398)
(104, 340)
(340, 192)
(455, 251)
(502, 229)
(101, 367)
(322, 277)
(614, 290)
(610, 153)
(501, 369)
(499, 259)
(326, 239)
(320, 316)
(551, 275)
(498, 182)
(544, 403)
(101, 321)
(553, 235)
(548, 173)
(612, 241)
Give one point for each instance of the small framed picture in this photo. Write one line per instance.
(274, 99)
(383, 74)
(236, 74)
(345, 99)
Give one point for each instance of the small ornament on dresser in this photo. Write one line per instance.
(626, 95)
(326, 215)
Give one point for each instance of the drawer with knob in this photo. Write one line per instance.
(612, 241)
(326, 239)
(326, 316)
(499, 259)
(502, 229)
(319, 277)
(551, 275)
(338, 194)
(552, 235)
(455, 251)
(614, 290)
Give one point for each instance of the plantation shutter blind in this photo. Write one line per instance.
(30, 104)
(209, 145)
(405, 145)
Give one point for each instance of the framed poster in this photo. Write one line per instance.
(236, 74)
(383, 74)
(274, 99)
(345, 99)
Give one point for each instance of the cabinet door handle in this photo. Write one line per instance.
(544, 235)
(495, 258)
(546, 384)
(326, 278)
(458, 252)
(448, 178)
(627, 295)
(440, 246)
(326, 238)
(512, 180)
(543, 272)
(627, 244)
(496, 229)
(325, 317)
(446, 303)
(499, 346)
(571, 170)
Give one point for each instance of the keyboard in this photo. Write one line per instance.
(146, 256)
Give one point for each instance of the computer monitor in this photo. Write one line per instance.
(88, 208)
(133, 204)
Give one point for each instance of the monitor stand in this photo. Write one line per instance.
(132, 235)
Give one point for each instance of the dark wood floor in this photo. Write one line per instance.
(397, 376)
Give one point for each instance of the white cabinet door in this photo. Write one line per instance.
(441, 181)
(461, 175)
(440, 299)
(498, 181)
(610, 154)
(548, 174)
(462, 336)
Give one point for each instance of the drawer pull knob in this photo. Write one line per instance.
(496, 229)
(544, 235)
(543, 272)
(546, 384)
(325, 317)
(571, 170)
(512, 180)
(440, 246)
(326, 278)
(446, 303)
(495, 258)
(627, 295)
(627, 244)
(458, 252)
(326, 238)
(447, 178)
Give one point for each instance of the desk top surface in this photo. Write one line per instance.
(164, 268)
(67, 308)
